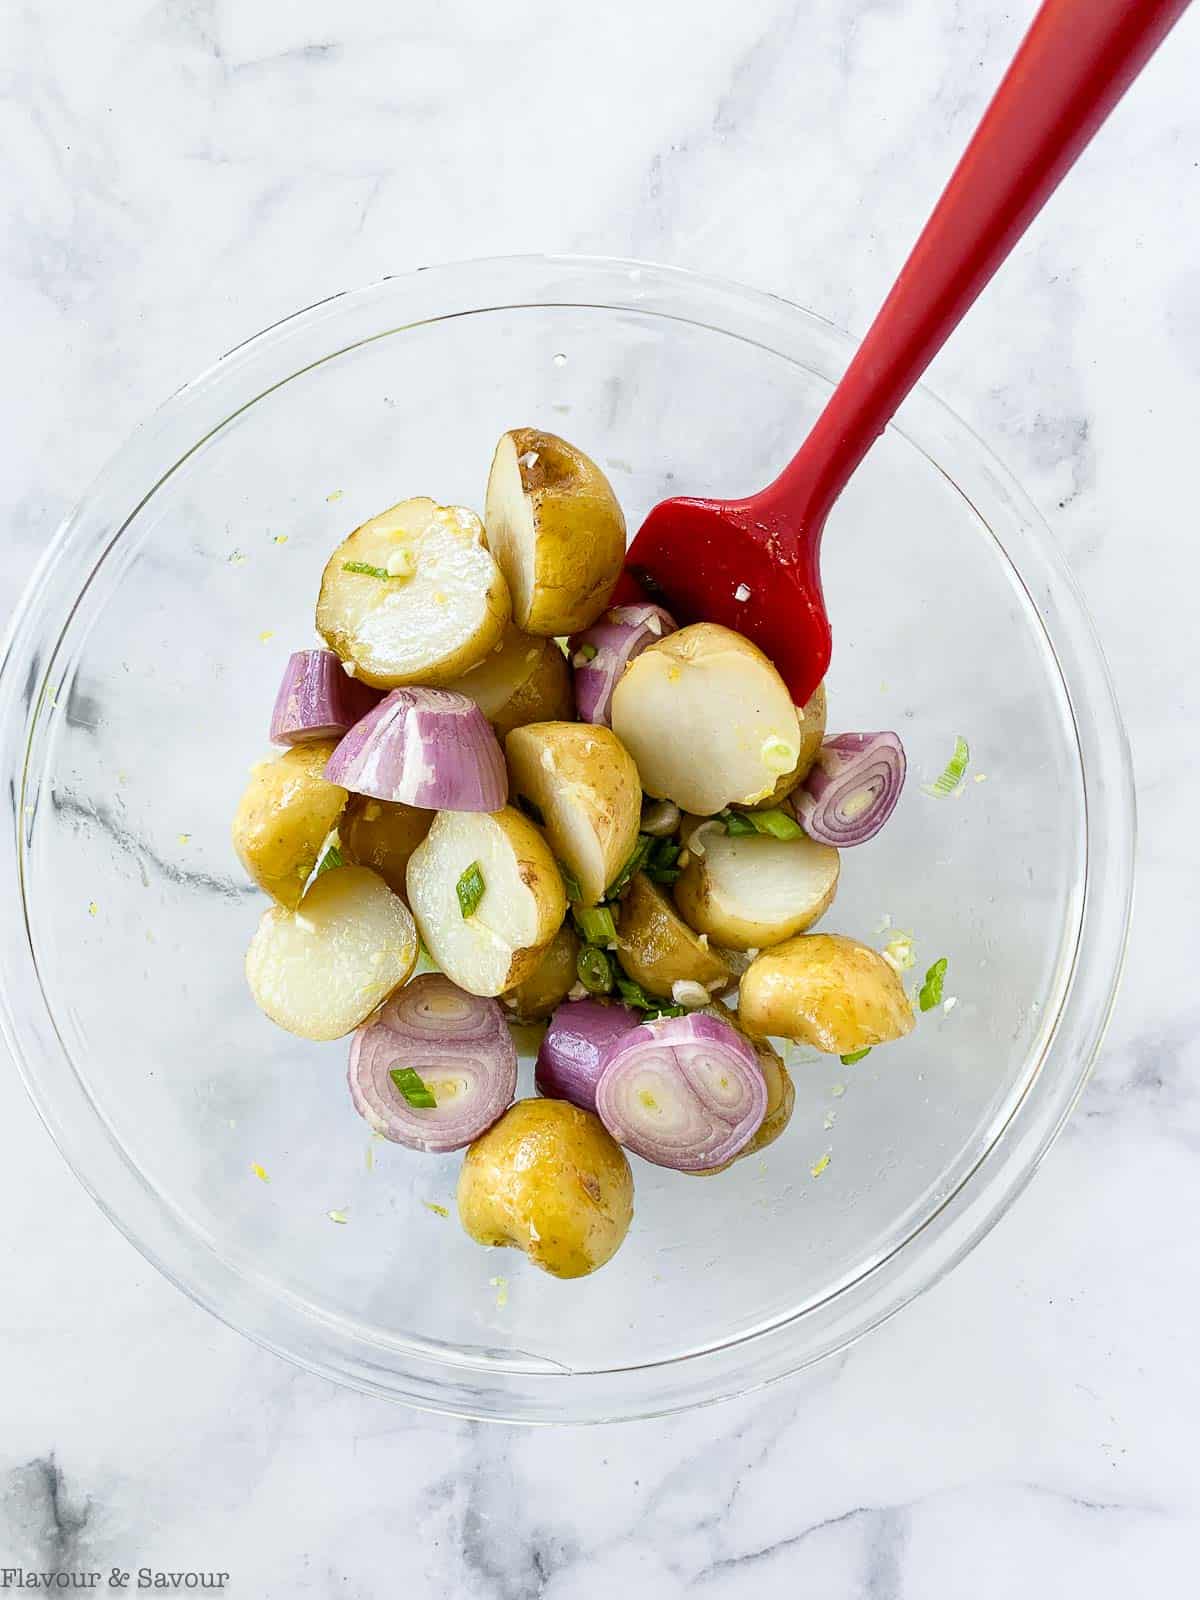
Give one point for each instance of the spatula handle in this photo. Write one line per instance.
(1075, 63)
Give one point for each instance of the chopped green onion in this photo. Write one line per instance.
(634, 865)
(595, 923)
(470, 890)
(666, 1011)
(664, 874)
(952, 776)
(533, 812)
(413, 1087)
(660, 865)
(594, 969)
(366, 569)
(776, 823)
(634, 995)
(333, 857)
(931, 989)
(570, 883)
(855, 1055)
(736, 823)
(588, 652)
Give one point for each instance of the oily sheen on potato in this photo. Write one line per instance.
(520, 910)
(284, 818)
(826, 991)
(523, 679)
(413, 596)
(322, 969)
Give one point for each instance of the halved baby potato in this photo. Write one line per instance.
(657, 948)
(382, 835)
(826, 991)
(322, 969)
(708, 720)
(584, 786)
(812, 732)
(413, 596)
(748, 891)
(523, 679)
(554, 525)
(520, 910)
(284, 817)
(548, 985)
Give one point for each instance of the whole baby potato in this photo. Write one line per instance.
(550, 1180)
(284, 817)
(826, 991)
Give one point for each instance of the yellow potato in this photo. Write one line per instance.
(584, 786)
(748, 891)
(524, 679)
(826, 991)
(548, 985)
(382, 835)
(431, 607)
(521, 909)
(657, 948)
(322, 969)
(812, 732)
(554, 525)
(781, 1092)
(284, 817)
(707, 719)
(550, 1180)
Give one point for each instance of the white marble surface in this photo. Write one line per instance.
(179, 174)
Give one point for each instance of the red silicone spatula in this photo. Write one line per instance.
(753, 564)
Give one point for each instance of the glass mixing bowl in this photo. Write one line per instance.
(135, 694)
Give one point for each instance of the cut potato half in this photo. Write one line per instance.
(284, 818)
(524, 679)
(413, 596)
(657, 948)
(708, 720)
(554, 525)
(322, 969)
(812, 732)
(521, 907)
(748, 891)
(826, 991)
(584, 786)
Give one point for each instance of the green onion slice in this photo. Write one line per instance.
(333, 857)
(570, 883)
(952, 776)
(736, 823)
(855, 1055)
(413, 1087)
(595, 923)
(931, 989)
(634, 865)
(776, 823)
(594, 969)
(366, 569)
(470, 889)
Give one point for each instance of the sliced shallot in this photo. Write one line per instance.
(576, 1046)
(601, 653)
(852, 789)
(441, 1044)
(683, 1092)
(423, 747)
(316, 699)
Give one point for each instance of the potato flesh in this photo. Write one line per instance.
(748, 891)
(706, 718)
(812, 733)
(321, 970)
(585, 785)
(522, 905)
(556, 529)
(426, 628)
(521, 680)
(827, 991)
(657, 949)
(284, 818)
(550, 1180)
(382, 835)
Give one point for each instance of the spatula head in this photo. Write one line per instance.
(740, 563)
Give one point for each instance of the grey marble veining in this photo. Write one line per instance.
(182, 173)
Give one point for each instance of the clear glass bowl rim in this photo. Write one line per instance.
(509, 1390)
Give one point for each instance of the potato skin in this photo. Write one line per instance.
(547, 986)
(284, 817)
(590, 767)
(812, 733)
(539, 873)
(827, 991)
(382, 835)
(525, 680)
(550, 1180)
(579, 533)
(656, 947)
